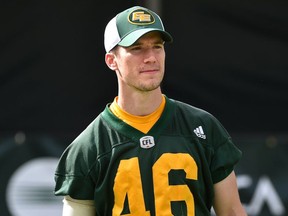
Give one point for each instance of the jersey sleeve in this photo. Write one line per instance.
(75, 173)
(225, 154)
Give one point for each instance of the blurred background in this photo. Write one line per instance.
(228, 57)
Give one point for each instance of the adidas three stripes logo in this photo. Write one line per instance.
(199, 132)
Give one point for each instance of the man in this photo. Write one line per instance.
(146, 154)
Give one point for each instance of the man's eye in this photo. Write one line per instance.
(158, 46)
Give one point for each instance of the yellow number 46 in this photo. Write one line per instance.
(128, 183)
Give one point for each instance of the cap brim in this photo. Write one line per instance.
(131, 38)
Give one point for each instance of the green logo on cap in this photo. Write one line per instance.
(141, 17)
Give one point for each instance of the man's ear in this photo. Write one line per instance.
(110, 60)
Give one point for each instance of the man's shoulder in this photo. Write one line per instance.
(190, 110)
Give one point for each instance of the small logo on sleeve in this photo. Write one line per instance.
(147, 142)
(199, 132)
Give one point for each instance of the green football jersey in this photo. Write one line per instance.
(168, 171)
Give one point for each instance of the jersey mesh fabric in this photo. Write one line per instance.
(90, 167)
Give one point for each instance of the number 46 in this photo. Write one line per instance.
(128, 182)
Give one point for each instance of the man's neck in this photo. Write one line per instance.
(139, 103)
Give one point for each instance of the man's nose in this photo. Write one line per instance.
(150, 56)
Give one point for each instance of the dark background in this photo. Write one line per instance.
(228, 57)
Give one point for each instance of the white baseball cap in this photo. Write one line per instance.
(129, 25)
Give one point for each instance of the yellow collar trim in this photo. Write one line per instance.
(142, 123)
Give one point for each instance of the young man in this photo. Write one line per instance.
(146, 154)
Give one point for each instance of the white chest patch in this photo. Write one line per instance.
(147, 142)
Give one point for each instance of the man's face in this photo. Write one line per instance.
(141, 66)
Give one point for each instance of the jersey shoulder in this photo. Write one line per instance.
(193, 115)
(194, 121)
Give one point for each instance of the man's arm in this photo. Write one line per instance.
(226, 200)
(74, 207)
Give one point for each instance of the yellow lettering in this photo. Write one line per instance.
(128, 182)
(141, 16)
(165, 193)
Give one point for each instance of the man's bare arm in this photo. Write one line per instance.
(226, 200)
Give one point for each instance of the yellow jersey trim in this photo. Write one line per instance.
(141, 123)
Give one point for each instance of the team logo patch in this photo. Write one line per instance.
(147, 142)
(141, 17)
